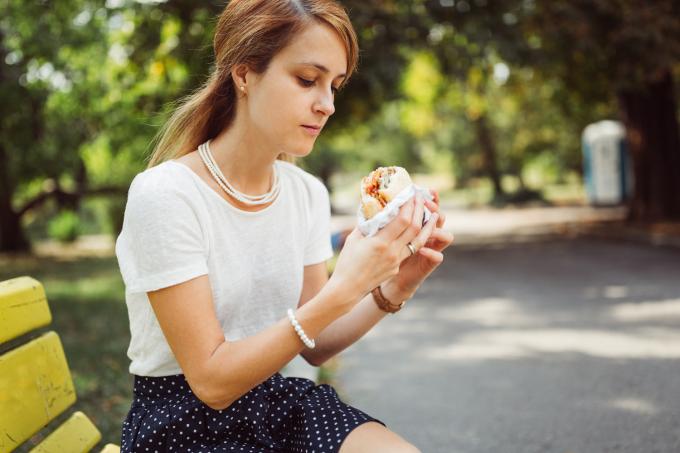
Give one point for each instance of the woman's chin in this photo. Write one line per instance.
(301, 150)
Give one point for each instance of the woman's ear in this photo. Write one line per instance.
(238, 74)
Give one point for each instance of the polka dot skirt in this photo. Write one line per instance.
(282, 414)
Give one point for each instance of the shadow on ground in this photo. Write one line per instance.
(556, 346)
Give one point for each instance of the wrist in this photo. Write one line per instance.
(342, 295)
(392, 292)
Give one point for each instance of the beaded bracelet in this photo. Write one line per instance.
(301, 333)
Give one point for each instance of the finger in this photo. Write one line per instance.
(432, 255)
(418, 241)
(354, 234)
(431, 205)
(416, 222)
(396, 227)
(441, 220)
(434, 208)
(426, 232)
(439, 240)
(435, 195)
(437, 235)
(405, 253)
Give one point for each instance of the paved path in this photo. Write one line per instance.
(479, 225)
(569, 346)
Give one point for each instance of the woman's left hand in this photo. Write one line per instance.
(416, 268)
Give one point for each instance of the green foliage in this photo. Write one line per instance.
(85, 84)
(421, 85)
(65, 227)
(602, 46)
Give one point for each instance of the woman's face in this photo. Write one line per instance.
(291, 101)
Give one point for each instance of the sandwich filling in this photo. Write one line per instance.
(379, 180)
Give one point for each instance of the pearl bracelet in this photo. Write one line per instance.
(301, 333)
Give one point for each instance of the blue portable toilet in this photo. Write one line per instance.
(606, 164)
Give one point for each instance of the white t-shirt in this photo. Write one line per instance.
(176, 227)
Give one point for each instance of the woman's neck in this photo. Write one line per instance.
(246, 162)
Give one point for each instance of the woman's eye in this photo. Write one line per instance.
(308, 83)
(305, 82)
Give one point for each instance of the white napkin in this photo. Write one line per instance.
(371, 226)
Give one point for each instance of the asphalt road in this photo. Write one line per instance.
(561, 346)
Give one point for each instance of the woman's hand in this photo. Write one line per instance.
(365, 262)
(416, 268)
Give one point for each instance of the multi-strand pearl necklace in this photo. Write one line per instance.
(250, 200)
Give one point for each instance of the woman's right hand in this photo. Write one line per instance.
(365, 262)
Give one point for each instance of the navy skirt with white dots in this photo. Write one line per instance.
(282, 414)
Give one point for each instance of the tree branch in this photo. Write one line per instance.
(64, 195)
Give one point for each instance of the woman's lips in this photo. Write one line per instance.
(312, 130)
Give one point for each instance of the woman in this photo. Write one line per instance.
(224, 244)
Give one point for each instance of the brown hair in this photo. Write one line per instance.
(248, 32)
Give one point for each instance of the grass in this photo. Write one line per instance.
(89, 314)
(479, 193)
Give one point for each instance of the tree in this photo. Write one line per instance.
(464, 37)
(84, 86)
(33, 65)
(624, 50)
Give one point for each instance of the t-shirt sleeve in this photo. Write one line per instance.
(161, 243)
(318, 248)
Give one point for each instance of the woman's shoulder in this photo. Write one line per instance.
(165, 186)
(166, 177)
(310, 182)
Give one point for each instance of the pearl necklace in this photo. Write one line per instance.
(250, 200)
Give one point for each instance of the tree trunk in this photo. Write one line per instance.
(654, 142)
(12, 238)
(520, 179)
(488, 147)
(72, 200)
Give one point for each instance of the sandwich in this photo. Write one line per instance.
(380, 187)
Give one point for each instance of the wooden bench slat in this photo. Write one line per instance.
(23, 307)
(76, 435)
(35, 387)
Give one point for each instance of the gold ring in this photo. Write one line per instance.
(411, 248)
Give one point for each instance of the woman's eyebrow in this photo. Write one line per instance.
(322, 68)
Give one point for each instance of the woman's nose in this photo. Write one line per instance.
(325, 104)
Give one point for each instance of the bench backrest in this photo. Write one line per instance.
(35, 381)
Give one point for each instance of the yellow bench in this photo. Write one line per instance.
(35, 381)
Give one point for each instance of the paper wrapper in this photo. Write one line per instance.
(391, 210)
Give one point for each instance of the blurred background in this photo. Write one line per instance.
(549, 128)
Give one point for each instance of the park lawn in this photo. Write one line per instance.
(86, 297)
